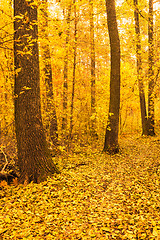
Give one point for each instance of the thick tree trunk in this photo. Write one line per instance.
(33, 159)
(112, 129)
(51, 118)
(151, 82)
(93, 75)
(139, 71)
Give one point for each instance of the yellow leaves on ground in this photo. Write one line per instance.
(111, 197)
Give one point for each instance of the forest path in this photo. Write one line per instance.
(96, 196)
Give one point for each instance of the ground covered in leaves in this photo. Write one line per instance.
(96, 196)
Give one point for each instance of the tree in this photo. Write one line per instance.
(150, 71)
(147, 121)
(6, 69)
(139, 70)
(33, 158)
(51, 118)
(111, 136)
(74, 67)
(93, 75)
(65, 74)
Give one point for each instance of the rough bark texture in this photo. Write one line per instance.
(139, 71)
(51, 118)
(33, 160)
(151, 80)
(112, 129)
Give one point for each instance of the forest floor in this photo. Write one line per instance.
(96, 196)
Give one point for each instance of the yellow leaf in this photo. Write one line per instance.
(155, 231)
(106, 229)
(153, 222)
(7, 219)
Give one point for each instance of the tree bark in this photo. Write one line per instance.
(51, 118)
(34, 161)
(139, 71)
(74, 67)
(151, 82)
(112, 129)
(93, 75)
(65, 75)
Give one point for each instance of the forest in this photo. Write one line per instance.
(80, 119)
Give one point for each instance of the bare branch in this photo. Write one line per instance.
(6, 163)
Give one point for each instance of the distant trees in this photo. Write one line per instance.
(151, 77)
(139, 70)
(65, 75)
(6, 70)
(33, 158)
(112, 129)
(93, 73)
(74, 68)
(51, 117)
(147, 120)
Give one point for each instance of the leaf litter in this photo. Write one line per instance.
(96, 196)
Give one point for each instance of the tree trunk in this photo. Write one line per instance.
(65, 75)
(74, 67)
(93, 75)
(151, 82)
(139, 71)
(34, 161)
(112, 129)
(51, 118)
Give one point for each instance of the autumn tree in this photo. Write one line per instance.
(93, 74)
(33, 159)
(111, 136)
(6, 69)
(65, 74)
(139, 70)
(150, 71)
(51, 118)
(74, 67)
(147, 121)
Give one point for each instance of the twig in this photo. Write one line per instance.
(5, 156)
(3, 129)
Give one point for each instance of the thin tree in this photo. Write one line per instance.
(151, 81)
(74, 67)
(65, 75)
(34, 161)
(112, 129)
(139, 70)
(93, 75)
(51, 118)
